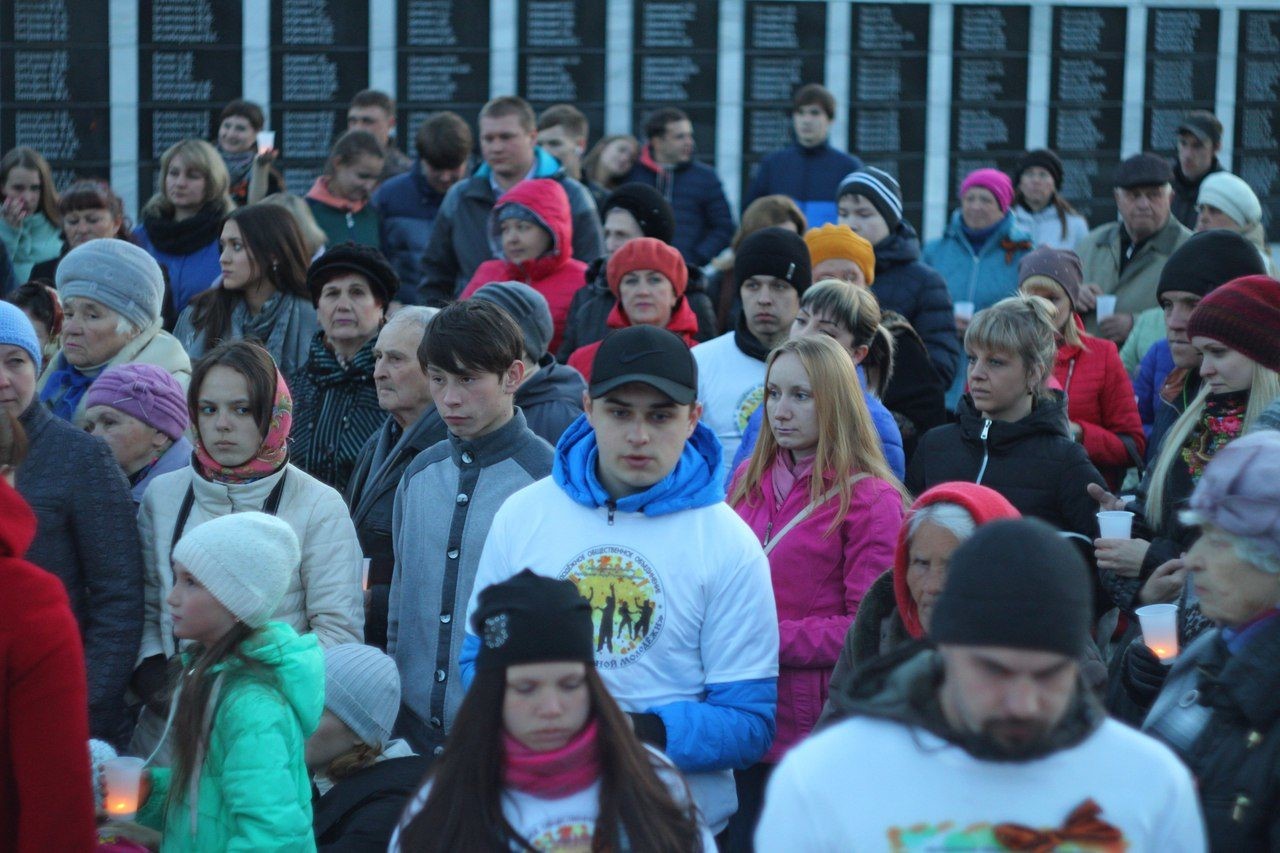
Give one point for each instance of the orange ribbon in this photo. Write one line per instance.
(1083, 826)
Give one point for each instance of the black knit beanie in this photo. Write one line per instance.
(1208, 260)
(653, 213)
(774, 251)
(1045, 159)
(1015, 584)
(356, 258)
(531, 619)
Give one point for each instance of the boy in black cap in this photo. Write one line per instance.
(1123, 259)
(772, 270)
(686, 634)
(991, 741)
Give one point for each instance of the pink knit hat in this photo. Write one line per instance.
(144, 391)
(993, 181)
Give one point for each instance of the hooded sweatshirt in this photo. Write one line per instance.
(557, 275)
(252, 791)
(685, 619)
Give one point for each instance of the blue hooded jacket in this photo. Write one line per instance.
(733, 725)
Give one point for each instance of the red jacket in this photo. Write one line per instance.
(46, 793)
(983, 504)
(557, 275)
(818, 582)
(1100, 399)
(683, 322)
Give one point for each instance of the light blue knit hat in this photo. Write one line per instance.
(16, 330)
(117, 274)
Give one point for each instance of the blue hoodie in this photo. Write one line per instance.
(733, 725)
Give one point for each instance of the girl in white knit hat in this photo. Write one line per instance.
(249, 694)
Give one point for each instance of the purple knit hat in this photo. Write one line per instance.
(146, 392)
(1239, 492)
(993, 181)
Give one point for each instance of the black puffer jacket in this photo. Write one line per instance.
(359, 813)
(589, 310)
(919, 293)
(916, 395)
(1032, 462)
(1220, 712)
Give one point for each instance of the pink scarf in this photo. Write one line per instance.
(557, 773)
(785, 472)
(272, 454)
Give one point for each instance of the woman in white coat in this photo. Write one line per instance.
(241, 410)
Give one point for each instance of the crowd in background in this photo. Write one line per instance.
(515, 494)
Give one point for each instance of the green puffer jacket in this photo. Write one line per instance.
(253, 792)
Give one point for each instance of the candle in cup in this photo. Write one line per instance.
(266, 141)
(1160, 629)
(122, 777)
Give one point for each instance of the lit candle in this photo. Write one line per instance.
(123, 777)
(1160, 629)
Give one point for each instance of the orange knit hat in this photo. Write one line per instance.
(841, 242)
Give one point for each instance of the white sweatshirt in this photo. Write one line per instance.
(730, 388)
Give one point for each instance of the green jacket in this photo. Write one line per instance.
(339, 226)
(253, 791)
(36, 240)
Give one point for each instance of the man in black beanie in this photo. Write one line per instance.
(1158, 353)
(631, 211)
(772, 269)
(989, 741)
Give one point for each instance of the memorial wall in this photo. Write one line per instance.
(928, 91)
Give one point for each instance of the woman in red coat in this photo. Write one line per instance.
(1100, 400)
(531, 226)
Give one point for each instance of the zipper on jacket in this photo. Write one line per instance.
(768, 531)
(351, 221)
(612, 506)
(986, 453)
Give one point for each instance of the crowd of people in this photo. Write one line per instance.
(525, 501)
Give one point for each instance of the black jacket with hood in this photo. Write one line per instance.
(551, 398)
(919, 293)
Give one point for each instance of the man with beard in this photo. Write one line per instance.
(990, 741)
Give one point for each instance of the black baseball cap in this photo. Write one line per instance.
(647, 354)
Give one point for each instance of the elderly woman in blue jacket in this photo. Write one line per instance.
(979, 252)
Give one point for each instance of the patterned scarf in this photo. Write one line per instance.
(1221, 423)
(272, 454)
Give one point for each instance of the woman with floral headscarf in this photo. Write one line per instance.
(242, 411)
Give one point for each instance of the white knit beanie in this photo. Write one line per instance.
(245, 560)
(362, 688)
(1232, 196)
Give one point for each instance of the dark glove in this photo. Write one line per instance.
(151, 684)
(1142, 673)
(649, 729)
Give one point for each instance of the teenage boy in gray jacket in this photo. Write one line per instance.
(446, 502)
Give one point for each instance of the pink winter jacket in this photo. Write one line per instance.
(818, 582)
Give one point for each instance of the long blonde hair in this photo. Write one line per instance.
(206, 160)
(1265, 389)
(848, 443)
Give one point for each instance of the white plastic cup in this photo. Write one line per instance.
(1115, 524)
(123, 777)
(1160, 629)
(964, 311)
(266, 141)
(1106, 307)
(364, 573)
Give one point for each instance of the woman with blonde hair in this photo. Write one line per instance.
(182, 222)
(1012, 430)
(819, 494)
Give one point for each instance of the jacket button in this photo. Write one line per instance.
(446, 618)
(461, 499)
(452, 554)
(439, 750)
(440, 675)
(435, 721)
(467, 458)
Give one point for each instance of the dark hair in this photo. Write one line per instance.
(814, 93)
(591, 162)
(252, 361)
(40, 297)
(247, 110)
(472, 336)
(634, 801)
(444, 140)
(277, 254)
(567, 116)
(95, 195)
(13, 441)
(190, 733)
(374, 98)
(353, 144)
(29, 158)
(655, 124)
(508, 105)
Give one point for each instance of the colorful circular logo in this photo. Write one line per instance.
(563, 836)
(625, 595)
(747, 406)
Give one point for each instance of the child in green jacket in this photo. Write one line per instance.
(339, 199)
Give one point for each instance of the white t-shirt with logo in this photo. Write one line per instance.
(678, 601)
(564, 824)
(730, 388)
(876, 785)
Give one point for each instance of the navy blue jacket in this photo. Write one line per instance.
(919, 293)
(704, 223)
(408, 207)
(810, 176)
